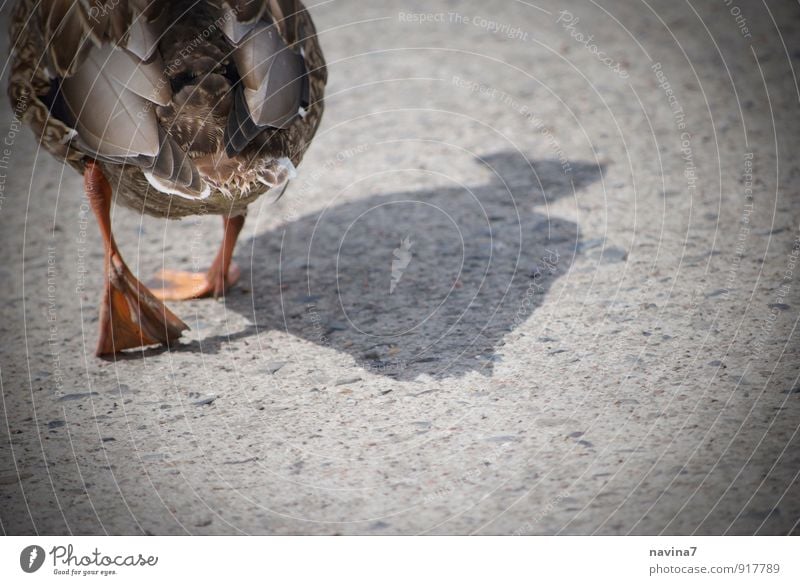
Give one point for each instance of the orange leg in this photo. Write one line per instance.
(130, 316)
(222, 274)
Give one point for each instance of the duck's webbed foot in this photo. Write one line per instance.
(130, 316)
(182, 286)
(221, 276)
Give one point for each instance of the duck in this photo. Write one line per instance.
(172, 109)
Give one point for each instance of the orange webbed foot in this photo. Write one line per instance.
(130, 315)
(177, 285)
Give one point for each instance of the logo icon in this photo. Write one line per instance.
(402, 258)
(31, 558)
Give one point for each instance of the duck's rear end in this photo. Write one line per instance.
(215, 100)
(185, 107)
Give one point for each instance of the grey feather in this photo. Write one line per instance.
(276, 101)
(109, 118)
(273, 82)
(240, 129)
(111, 98)
(143, 36)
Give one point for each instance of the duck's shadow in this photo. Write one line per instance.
(417, 282)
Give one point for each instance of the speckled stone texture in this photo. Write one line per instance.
(526, 282)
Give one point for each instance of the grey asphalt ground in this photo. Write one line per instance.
(591, 327)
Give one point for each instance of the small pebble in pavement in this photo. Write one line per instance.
(273, 367)
(343, 381)
(205, 400)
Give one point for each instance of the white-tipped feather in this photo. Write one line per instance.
(72, 133)
(171, 189)
(286, 163)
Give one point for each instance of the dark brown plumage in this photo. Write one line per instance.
(185, 107)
